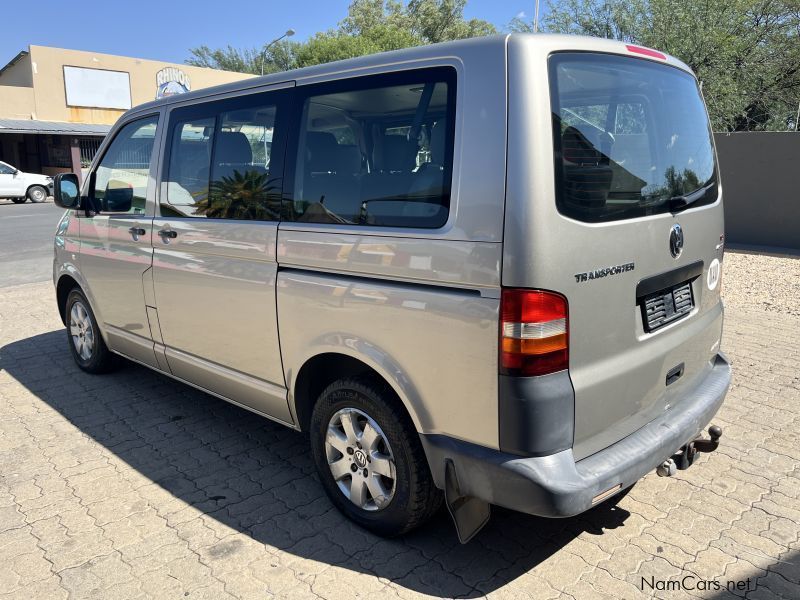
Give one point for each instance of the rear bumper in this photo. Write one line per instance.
(556, 485)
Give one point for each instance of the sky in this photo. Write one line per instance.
(166, 29)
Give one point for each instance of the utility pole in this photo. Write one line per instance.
(536, 18)
(289, 33)
(797, 118)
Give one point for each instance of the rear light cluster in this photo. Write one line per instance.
(533, 332)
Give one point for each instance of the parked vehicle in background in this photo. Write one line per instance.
(484, 272)
(21, 186)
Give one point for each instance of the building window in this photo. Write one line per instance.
(88, 148)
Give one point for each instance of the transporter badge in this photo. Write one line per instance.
(604, 272)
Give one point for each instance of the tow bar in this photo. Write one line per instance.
(684, 458)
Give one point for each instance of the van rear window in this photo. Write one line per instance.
(631, 137)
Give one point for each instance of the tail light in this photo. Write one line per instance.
(646, 52)
(533, 332)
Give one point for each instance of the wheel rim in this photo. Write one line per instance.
(81, 330)
(37, 195)
(360, 459)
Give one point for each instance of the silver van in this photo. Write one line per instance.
(481, 272)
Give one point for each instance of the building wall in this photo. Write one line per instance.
(48, 81)
(19, 74)
(33, 87)
(759, 182)
(17, 102)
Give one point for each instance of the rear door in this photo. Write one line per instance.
(631, 234)
(214, 241)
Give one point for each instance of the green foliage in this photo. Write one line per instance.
(746, 53)
(278, 57)
(242, 196)
(370, 26)
(227, 59)
(337, 45)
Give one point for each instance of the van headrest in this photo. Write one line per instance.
(398, 153)
(233, 147)
(321, 151)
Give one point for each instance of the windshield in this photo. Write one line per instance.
(630, 135)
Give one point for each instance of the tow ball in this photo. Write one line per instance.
(685, 457)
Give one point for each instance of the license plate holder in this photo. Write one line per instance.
(667, 305)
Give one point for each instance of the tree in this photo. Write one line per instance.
(442, 20)
(279, 57)
(746, 53)
(337, 45)
(370, 26)
(227, 59)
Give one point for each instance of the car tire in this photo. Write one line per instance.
(392, 492)
(37, 194)
(19, 200)
(83, 335)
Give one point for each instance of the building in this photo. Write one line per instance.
(57, 105)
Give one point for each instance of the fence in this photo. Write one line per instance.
(761, 182)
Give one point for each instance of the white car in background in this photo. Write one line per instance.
(21, 186)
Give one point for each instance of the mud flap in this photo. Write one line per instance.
(469, 514)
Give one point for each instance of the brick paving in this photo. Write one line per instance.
(132, 485)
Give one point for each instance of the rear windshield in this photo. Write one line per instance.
(631, 136)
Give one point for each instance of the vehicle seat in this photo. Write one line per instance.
(191, 172)
(330, 174)
(587, 174)
(427, 186)
(233, 154)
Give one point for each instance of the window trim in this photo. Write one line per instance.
(446, 73)
(88, 187)
(212, 109)
(553, 60)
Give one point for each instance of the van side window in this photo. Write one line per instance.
(120, 184)
(220, 164)
(376, 151)
(189, 165)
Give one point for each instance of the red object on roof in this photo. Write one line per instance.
(646, 52)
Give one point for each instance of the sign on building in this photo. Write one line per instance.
(171, 81)
(97, 88)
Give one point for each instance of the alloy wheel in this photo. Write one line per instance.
(81, 330)
(360, 459)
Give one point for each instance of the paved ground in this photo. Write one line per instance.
(26, 241)
(132, 485)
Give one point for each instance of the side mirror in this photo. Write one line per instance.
(66, 191)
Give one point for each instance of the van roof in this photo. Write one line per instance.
(457, 48)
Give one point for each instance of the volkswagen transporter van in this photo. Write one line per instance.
(481, 272)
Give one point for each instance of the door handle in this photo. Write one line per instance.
(136, 232)
(168, 233)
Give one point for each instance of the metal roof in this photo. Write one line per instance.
(51, 127)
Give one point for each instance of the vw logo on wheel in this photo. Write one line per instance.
(360, 459)
(676, 240)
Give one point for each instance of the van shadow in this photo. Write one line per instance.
(258, 478)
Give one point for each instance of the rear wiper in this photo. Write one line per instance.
(678, 203)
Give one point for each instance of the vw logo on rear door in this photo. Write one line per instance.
(676, 240)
